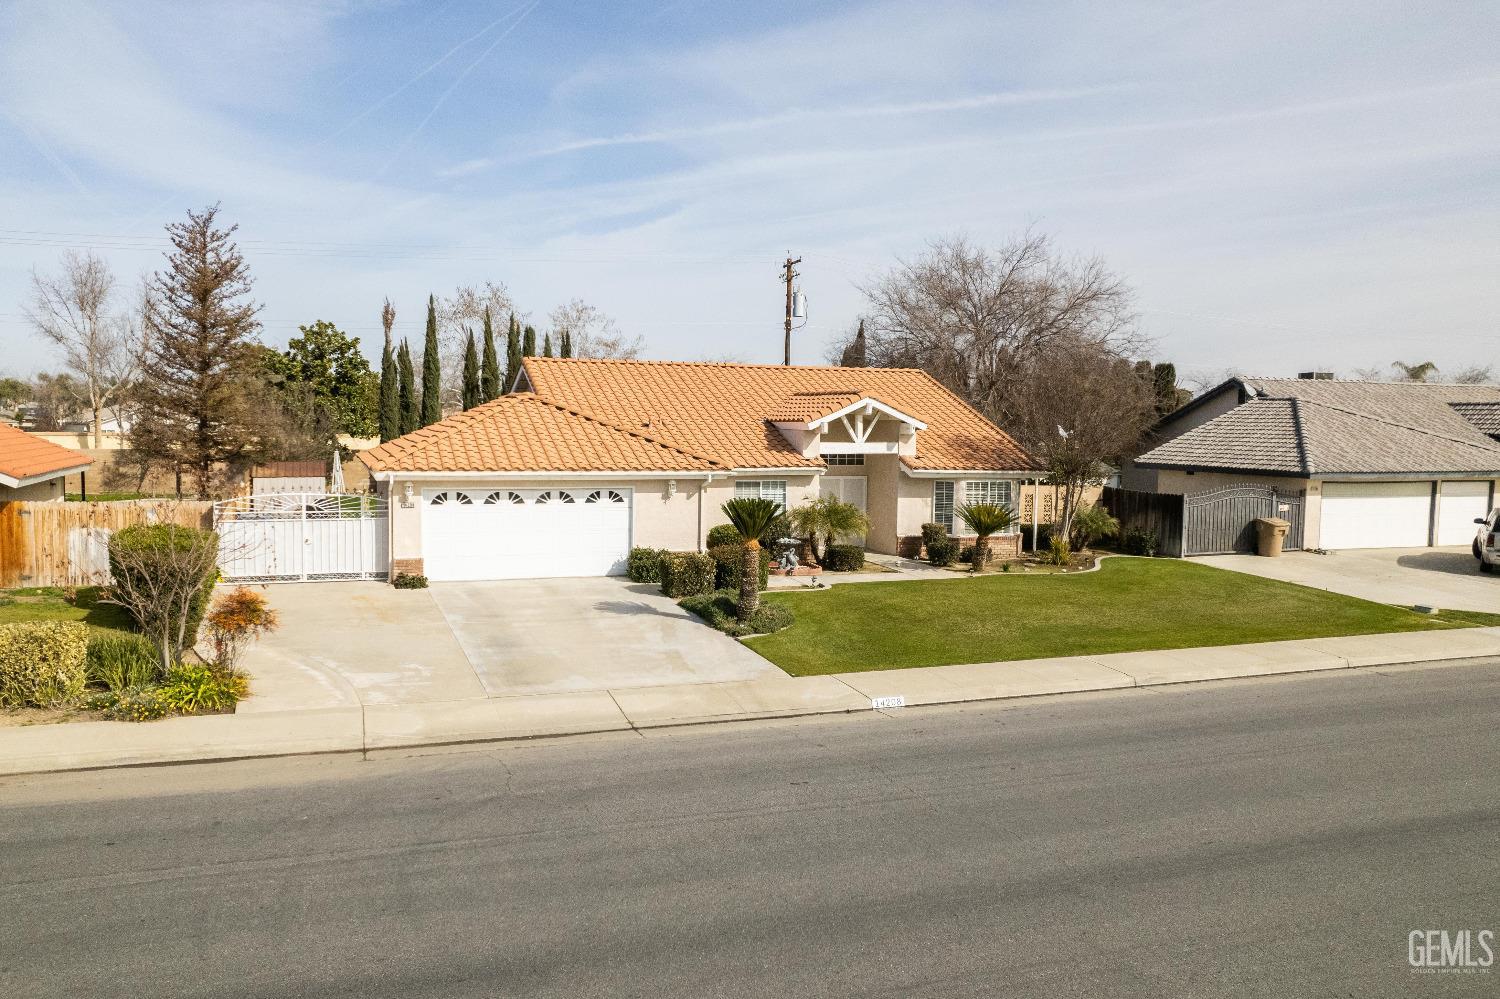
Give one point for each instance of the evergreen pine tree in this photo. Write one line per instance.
(471, 373)
(489, 374)
(855, 355)
(195, 400)
(567, 345)
(390, 391)
(528, 342)
(432, 370)
(547, 345)
(407, 393)
(512, 353)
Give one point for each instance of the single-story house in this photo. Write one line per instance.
(587, 458)
(35, 469)
(1381, 464)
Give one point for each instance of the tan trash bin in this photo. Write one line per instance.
(1269, 534)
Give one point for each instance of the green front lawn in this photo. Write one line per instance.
(47, 603)
(1128, 605)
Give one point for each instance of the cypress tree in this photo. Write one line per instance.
(512, 354)
(489, 375)
(567, 345)
(528, 342)
(390, 390)
(471, 373)
(547, 345)
(407, 391)
(432, 371)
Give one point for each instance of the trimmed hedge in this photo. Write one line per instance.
(943, 551)
(644, 565)
(933, 533)
(1139, 541)
(1043, 538)
(844, 558)
(721, 534)
(687, 574)
(728, 563)
(42, 663)
(720, 610)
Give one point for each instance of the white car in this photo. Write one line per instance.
(1487, 541)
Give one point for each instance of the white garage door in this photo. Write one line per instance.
(525, 533)
(1458, 507)
(1375, 514)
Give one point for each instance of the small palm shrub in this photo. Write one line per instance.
(122, 661)
(687, 574)
(984, 519)
(42, 663)
(844, 558)
(644, 565)
(725, 534)
(1092, 522)
(752, 517)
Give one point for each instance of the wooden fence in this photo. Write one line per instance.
(1160, 513)
(66, 544)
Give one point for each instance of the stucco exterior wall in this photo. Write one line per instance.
(37, 492)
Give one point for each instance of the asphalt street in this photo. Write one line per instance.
(1250, 838)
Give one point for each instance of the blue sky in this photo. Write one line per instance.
(1285, 185)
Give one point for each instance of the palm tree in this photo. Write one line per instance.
(1415, 372)
(750, 518)
(831, 518)
(984, 519)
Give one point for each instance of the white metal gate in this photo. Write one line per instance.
(302, 537)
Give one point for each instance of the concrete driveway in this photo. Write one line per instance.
(1437, 577)
(367, 643)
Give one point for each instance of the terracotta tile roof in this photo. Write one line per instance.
(524, 432)
(804, 407)
(725, 411)
(1311, 428)
(23, 456)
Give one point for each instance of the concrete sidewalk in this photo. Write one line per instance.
(356, 728)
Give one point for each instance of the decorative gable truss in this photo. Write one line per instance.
(848, 423)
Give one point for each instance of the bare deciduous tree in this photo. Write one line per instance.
(73, 310)
(1081, 406)
(978, 320)
(1475, 374)
(593, 333)
(458, 313)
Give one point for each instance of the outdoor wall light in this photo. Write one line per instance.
(671, 488)
(406, 491)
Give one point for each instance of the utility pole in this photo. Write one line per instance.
(788, 274)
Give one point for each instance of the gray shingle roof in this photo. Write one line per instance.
(1310, 428)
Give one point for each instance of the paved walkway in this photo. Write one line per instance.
(1436, 577)
(363, 727)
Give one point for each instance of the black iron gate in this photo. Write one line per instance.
(1223, 520)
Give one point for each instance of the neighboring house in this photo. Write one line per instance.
(34, 469)
(1382, 464)
(289, 477)
(591, 457)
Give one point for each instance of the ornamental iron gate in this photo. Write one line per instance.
(1221, 521)
(302, 537)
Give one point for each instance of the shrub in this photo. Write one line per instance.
(687, 574)
(644, 565)
(844, 558)
(725, 534)
(1092, 522)
(943, 551)
(1058, 551)
(966, 554)
(164, 575)
(237, 618)
(1042, 540)
(727, 562)
(720, 609)
(721, 534)
(138, 704)
(1139, 541)
(122, 661)
(932, 534)
(191, 690)
(42, 663)
(409, 581)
